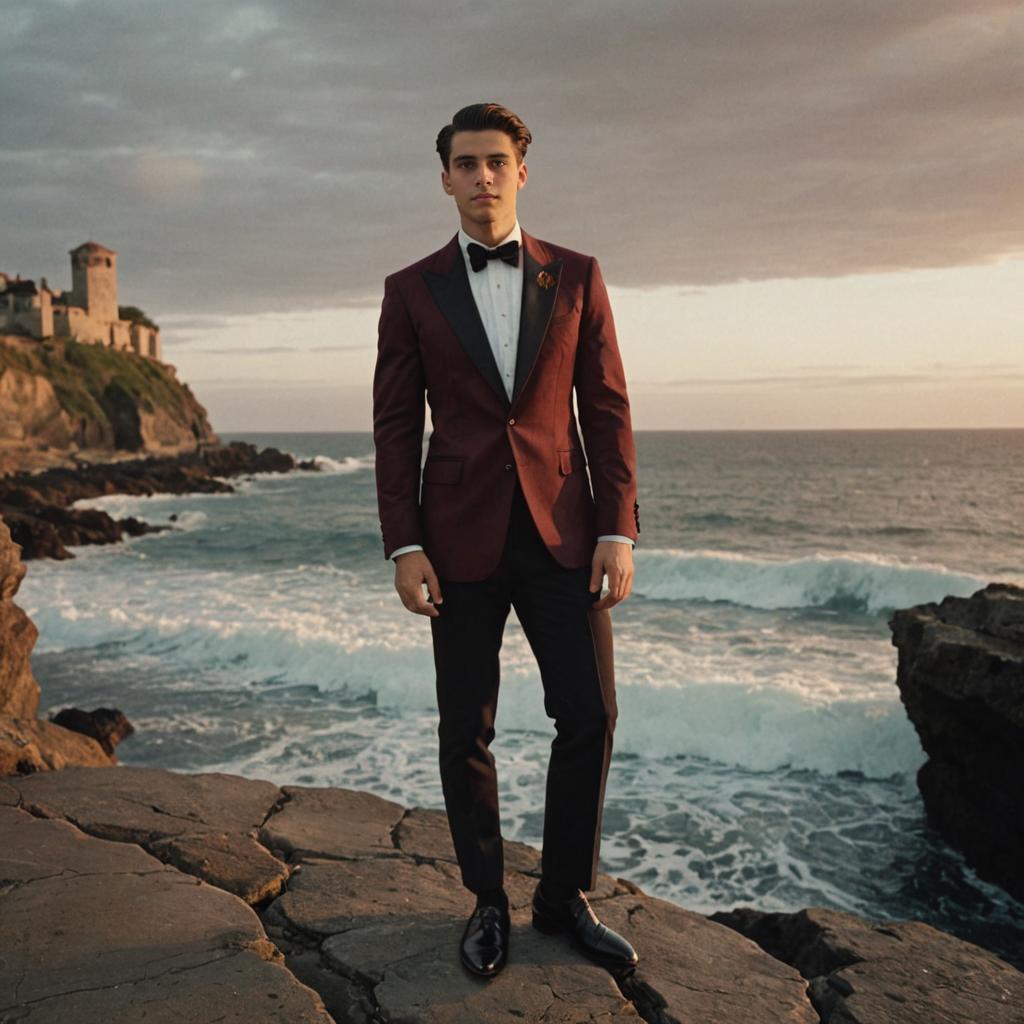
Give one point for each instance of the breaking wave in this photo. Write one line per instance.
(853, 583)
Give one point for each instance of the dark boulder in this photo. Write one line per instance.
(961, 679)
(107, 726)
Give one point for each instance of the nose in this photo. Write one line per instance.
(484, 177)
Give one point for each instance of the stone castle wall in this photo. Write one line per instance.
(94, 283)
(30, 313)
(88, 313)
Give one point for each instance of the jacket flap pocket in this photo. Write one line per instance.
(443, 469)
(569, 460)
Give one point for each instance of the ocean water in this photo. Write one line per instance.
(762, 755)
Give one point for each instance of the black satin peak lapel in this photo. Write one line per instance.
(454, 297)
(534, 316)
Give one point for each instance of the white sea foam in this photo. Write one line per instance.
(865, 582)
(155, 509)
(726, 693)
(148, 507)
(191, 519)
(350, 464)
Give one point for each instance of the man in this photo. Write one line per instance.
(496, 330)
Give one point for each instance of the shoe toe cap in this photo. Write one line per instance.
(614, 946)
(484, 946)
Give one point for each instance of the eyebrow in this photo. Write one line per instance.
(490, 156)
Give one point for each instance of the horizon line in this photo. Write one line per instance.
(703, 430)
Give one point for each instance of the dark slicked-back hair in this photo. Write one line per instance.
(481, 117)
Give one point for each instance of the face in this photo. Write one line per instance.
(484, 178)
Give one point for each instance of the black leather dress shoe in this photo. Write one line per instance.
(575, 916)
(484, 946)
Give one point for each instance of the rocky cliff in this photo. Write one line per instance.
(61, 400)
(961, 679)
(28, 744)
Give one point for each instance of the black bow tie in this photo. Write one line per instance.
(507, 253)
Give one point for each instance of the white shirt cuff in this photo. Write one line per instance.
(419, 547)
(402, 551)
(618, 537)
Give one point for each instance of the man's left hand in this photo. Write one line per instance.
(614, 559)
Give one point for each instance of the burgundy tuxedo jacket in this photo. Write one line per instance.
(432, 344)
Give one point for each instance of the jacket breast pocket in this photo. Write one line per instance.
(570, 460)
(443, 469)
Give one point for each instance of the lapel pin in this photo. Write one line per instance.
(545, 280)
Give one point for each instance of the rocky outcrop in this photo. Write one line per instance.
(107, 726)
(37, 745)
(961, 679)
(27, 744)
(367, 909)
(19, 691)
(37, 505)
(36, 508)
(59, 397)
(863, 972)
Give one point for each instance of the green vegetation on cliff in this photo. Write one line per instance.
(82, 375)
(99, 397)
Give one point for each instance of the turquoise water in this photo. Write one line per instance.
(762, 755)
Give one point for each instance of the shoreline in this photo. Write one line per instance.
(37, 505)
(838, 964)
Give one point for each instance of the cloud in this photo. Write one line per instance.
(856, 378)
(261, 350)
(187, 324)
(301, 384)
(262, 156)
(164, 176)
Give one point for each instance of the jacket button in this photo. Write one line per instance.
(508, 465)
(512, 422)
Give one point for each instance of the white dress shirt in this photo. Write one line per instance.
(498, 294)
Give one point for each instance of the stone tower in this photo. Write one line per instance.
(94, 281)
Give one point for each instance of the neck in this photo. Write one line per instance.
(489, 234)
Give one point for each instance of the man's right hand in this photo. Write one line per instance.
(412, 570)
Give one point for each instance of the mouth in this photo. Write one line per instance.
(484, 195)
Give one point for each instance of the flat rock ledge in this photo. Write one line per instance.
(131, 894)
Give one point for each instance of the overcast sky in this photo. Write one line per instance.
(809, 213)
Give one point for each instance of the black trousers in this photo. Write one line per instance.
(572, 645)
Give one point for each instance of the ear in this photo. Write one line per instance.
(446, 182)
(522, 175)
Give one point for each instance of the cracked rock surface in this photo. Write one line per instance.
(92, 930)
(698, 970)
(119, 900)
(864, 972)
(321, 821)
(203, 824)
